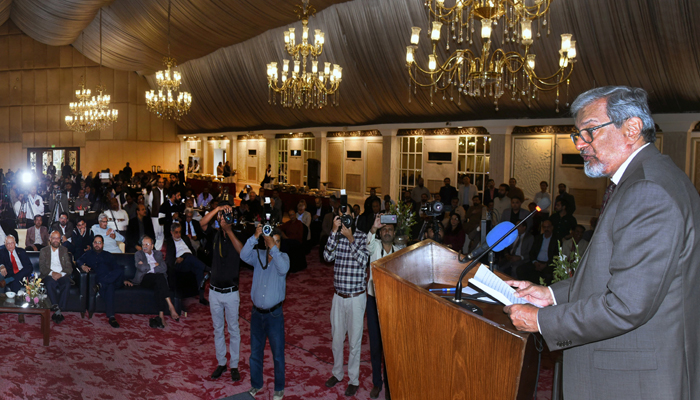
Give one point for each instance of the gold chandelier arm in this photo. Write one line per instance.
(546, 86)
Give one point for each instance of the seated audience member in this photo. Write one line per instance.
(14, 263)
(372, 197)
(406, 199)
(570, 201)
(129, 206)
(517, 253)
(139, 227)
(304, 216)
(110, 276)
(568, 246)
(151, 272)
(110, 237)
(473, 216)
(542, 253)
(254, 205)
(502, 201)
(180, 256)
(430, 233)
(515, 192)
(542, 194)
(356, 213)
(192, 228)
(562, 221)
(490, 192)
(293, 229)
(63, 226)
(81, 202)
(588, 235)
(204, 198)
(454, 234)
(37, 235)
(80, 241)
(117, 219)
(317, 215)
(387, 202)
(515, 213)
(457, 210)
(56, 267)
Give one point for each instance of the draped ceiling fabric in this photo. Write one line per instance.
(222, 48)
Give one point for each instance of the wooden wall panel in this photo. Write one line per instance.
(27, 44)
(143, 123)
(132, 89)
(54, 122)
(40, 87)
(40, 139)
(156, 128)
(16, 124)
(65, 138)
(78, 139)
(92, 156)
(170, 131)
(132, 118)
(120, 86)
(156, 154)
(4, 52)
(335, 160)
(28, 139)
(27, 118)
(53, 56)
(40, 53)
(4, 88)
(66, 86)
(78, 59)
(121, 126)
(15, 88)
(66, 57)
(4, 125)
(41, 118)
(14, 52)
(141, 88)
(107, 133)
(53, 83)
(374, 171)
(92, 78)
(28, 87)
(171, 155)
(18, 155)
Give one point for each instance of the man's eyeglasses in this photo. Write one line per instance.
(586, 134)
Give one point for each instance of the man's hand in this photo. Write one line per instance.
(336, 223)
(535, 294)
(87, 248)
(347, 232)
(63, 238)
(3, 271)
(524, 316)
(258, 232)
(85, 268)
(128, 283)
(55, 275)
(377, 224)
(270, 243)
(178, 260)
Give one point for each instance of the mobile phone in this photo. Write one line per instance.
(388, 219)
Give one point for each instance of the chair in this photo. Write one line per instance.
(77, 296)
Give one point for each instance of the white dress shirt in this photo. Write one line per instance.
(37, 236)
(181, 248)
(56, 262)
(151, 261)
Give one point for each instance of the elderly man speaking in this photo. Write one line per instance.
(628, 320)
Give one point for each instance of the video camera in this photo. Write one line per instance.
(433, 208)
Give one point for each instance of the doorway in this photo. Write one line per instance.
(219, 157)
(39, 159)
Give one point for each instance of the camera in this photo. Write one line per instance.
(432, 209)
(343, 201)
(346, 220)
(388, 219)
(231, 217)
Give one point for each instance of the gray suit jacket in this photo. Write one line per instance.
(629, 320)
(142, 266)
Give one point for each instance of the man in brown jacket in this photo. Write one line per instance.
(37, 235)
(56, 266)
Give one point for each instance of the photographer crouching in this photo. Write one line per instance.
(347, 246)
(267, 318)
(224, 299)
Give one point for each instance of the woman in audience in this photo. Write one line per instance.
(454, 233)
(151, 273)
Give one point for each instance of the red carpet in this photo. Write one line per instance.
(87, 359)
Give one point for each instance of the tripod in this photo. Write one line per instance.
(57, 207)
(436, 228)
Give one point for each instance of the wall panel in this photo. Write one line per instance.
(4, 89)
(40, 87)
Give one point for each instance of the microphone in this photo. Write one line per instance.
(496, 233)
(507, 237)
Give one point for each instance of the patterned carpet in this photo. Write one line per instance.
(87, 359)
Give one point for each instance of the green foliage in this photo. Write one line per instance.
(564, 267)
(405, 218)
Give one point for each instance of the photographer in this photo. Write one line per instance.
(267, 318)
(224, 299)
(347, 246)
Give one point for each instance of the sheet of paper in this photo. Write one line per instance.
(495, 287)
(467, 291)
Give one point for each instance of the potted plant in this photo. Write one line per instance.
(405, 219)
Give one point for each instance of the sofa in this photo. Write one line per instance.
(77, 298)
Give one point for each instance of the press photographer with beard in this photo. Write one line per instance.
(347, 246)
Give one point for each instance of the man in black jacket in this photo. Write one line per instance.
(139, 226)
(171, 210)
(542, 253)
(180, 256)
(80, 240)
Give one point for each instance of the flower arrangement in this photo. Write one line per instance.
(405, 218)
(33, 288)
(564, 267)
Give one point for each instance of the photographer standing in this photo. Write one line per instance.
(224, 298)
(267, 318)
(347, 246)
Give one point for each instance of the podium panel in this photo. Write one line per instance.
(435, 349)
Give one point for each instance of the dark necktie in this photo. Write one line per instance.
(189, 228)
(15, 267)
(608, 193)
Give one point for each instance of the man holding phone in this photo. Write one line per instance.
(347, 246)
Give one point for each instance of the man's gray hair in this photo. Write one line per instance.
(623, 103)
(102, 216)
(174, 226)
(189, 211)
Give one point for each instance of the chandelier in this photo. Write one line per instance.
(494, 72)
(308, 89)
(103, 115)
(168, 102)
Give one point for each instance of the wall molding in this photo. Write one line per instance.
(294, 135)
(475, 130)
(369, 133)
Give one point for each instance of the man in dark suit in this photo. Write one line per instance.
(171, 210)
(629, 319)
(7, 228)
(366, 220)
(542, 253)
(63, 226)
(180, 256)
(139, 226)
(80, 240)
(14, 263)
(192, 229)
(56, 267)
(317, 215)
(570, 200)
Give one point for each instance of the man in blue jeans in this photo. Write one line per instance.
(267, 319)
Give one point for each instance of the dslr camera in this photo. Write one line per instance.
(231, 218)
(267, 226)
(433, 208)
(345, 219)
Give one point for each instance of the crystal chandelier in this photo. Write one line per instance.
(493, 72)
(308, 89)
(102, 114)
(168, 102)
(82, 119)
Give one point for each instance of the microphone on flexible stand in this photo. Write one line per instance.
(496, 240)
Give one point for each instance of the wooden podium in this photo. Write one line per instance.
(435, 349)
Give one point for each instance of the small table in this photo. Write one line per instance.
(19, 306)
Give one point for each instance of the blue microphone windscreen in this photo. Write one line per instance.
(497, 232)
